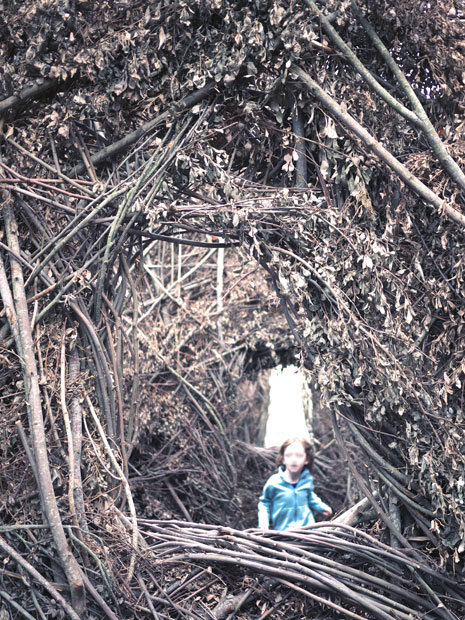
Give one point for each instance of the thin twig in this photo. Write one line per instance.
(132, 509)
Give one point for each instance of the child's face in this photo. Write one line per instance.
(294, 457)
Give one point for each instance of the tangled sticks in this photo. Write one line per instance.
(83, 267)
(322, 562)
(134, 348)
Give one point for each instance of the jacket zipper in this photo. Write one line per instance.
(295, 504)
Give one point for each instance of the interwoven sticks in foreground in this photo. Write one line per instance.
(322, 562)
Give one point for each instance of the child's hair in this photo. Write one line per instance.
(306, 446)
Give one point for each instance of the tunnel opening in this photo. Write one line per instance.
(289, 410)
(217, 359)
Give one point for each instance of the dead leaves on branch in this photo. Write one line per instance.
(369, 278)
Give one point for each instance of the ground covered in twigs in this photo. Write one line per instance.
(193, 193)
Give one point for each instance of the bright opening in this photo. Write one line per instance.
(286, 414)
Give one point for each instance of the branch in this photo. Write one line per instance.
(64, 236)
(220, 292)
(116, 465)
(360, 67)
(353, 514)
(47, 166)
(372, 144)
(179, 241)
(25, 94)
(75, 409)
(33, 399)
(8, 305)
(16, 605)
(117, 147)
(178, 501)
(133, 422)
(370, 496)
(68, 429)
(449, 164)
(418, 116)
(104, 378)
(9, 551)
(230, 604)
(300, 147)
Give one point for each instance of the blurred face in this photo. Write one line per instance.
(294, 458)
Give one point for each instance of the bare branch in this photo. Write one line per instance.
(450, 165)
(377, 148)
(33, 398)
(27, 93)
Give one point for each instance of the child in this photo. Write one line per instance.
(288, 499)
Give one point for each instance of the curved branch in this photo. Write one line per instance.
(418, 116)
(377, 148)
(127, 488)
(450, 165)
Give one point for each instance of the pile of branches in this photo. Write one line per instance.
(324, 559)
(213, 126)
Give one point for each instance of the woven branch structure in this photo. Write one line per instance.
(193, 193)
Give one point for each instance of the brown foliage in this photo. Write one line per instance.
(358, 274)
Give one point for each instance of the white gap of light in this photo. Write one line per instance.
(286, 416)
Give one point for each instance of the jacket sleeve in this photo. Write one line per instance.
(315, 502)
(264, 507)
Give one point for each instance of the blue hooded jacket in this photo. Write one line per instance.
(283, 506)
